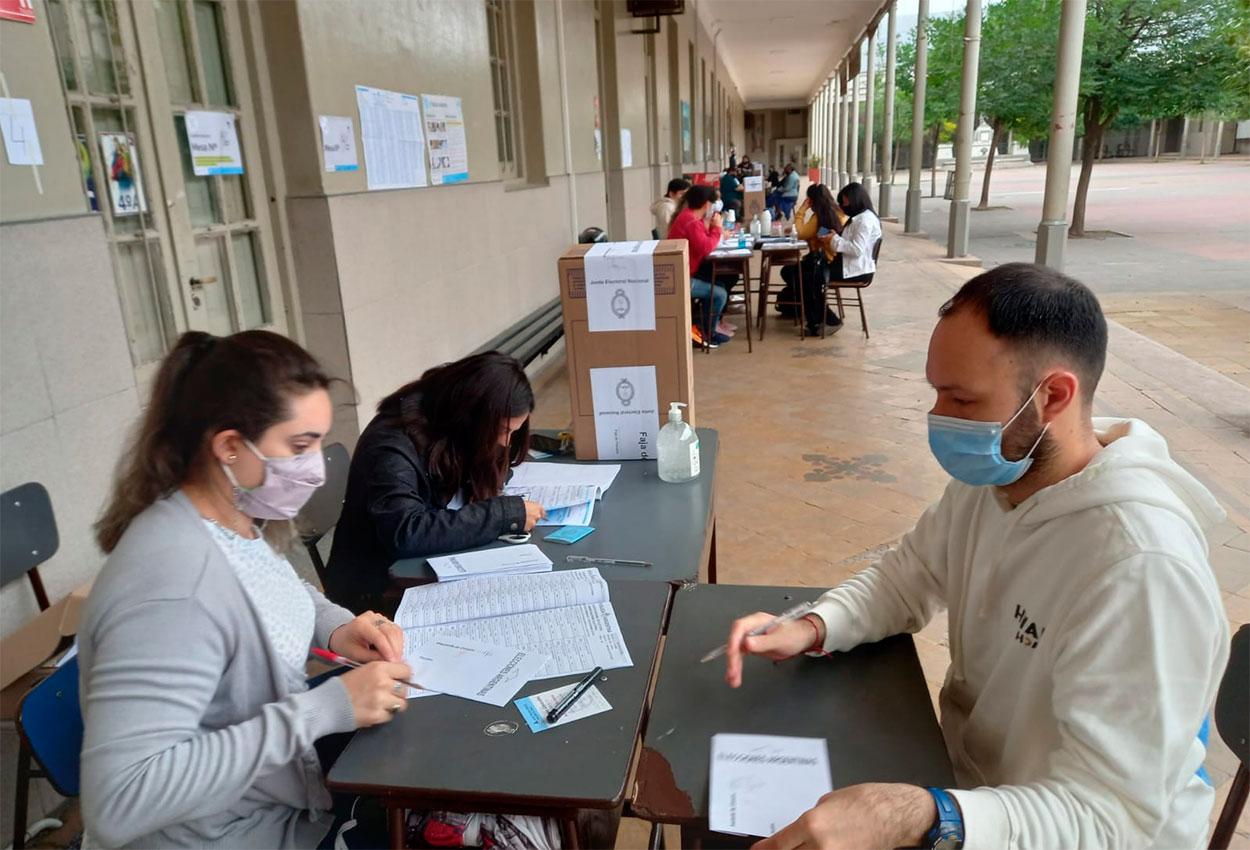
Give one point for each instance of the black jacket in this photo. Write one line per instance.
(394, 509)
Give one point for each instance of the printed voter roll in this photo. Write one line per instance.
(620, 286)
(627, 419)
(761, 784)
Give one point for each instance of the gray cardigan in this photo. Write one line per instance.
(192, 737)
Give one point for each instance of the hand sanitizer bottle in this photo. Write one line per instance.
(678, 448)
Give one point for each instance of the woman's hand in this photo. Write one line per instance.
(376, 692)
(369, 637)
(533, 513)
(785, 641)
(717, 221)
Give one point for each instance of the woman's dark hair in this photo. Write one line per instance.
(697, 197)
(453, 413)
(823, 205)
(206, 385)
(854, 199)
(677, 184)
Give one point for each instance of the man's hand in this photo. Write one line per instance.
(785, 641)
(873, 816)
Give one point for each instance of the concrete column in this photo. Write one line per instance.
(852, 164)
(912, 219)
(957, 235)
(835, 171)
(844, 137)
(813, 129)
(826, 134)
(887, 129)
(870, 175)
(1219, 139)
(1185, 139)
(1052, 232)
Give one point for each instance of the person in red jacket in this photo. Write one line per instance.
(698, 221)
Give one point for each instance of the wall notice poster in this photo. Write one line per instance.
(338, 143)
(687, 140)
(121, 169)
(390, 127)
(620, 286)
(213, 139)
(21, 136)
(627, 148)
(627, 419)
(444, 133)
(18, 10)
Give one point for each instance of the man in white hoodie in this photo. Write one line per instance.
(1087, 633)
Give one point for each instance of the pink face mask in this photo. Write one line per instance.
(288, 485)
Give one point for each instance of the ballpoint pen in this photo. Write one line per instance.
(334, 658)
(574, 695)
(784, 617)
(616, 562)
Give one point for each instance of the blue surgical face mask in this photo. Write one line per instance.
(972, 452)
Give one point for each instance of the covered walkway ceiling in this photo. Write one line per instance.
(780, 51)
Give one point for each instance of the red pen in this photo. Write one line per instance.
(343, 661)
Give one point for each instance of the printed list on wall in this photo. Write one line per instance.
(390, 127)
(444, 133)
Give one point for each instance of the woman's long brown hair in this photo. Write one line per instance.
(206, 385)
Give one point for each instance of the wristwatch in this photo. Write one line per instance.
(948, 830)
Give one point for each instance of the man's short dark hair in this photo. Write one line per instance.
(1042, 311)
(678, 184)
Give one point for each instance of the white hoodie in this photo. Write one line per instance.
(1087, 640)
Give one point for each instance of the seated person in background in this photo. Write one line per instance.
(698, 221)
(854, 241)
(773, 188)
(665, 207)
(788, 194)
(428, 471)
(1087, 633)
(746, 168)
(731, 191)
(198, 724)
(815, 222)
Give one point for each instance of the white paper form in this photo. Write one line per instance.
(620, 286)
(576, 639)
(763, 783)
(494, 596)
(472, 670)
(390, 127)
(600, 475)
(213, 139)
(566, 504)
(525, 558)
(21, 136)
(338, 143)
(627, 419)
(535, 708)
(444, 132)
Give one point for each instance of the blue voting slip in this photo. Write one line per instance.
(569, 534)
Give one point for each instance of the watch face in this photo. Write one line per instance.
(948, 842)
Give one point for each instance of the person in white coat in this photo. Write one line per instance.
(1087, 633)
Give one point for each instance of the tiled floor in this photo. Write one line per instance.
(824, 460)
(1213, 329)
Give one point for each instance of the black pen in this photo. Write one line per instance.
(574, 695)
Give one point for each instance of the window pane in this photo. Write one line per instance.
(212, 54)
(199, 191)
(58, 18)
(174, 49)
(141, 287)
(214, 297)
(234, 194)
(96, 55)
(251, 281)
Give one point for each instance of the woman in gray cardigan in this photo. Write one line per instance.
(198, 724)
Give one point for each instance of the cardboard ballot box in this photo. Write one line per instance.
(627, 336)
(753, 198)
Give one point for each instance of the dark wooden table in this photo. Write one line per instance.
(728, 260)
(640, 518)
(870, 704)
(449, 753)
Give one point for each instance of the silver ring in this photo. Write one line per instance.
(394, 709)
(380, 622)
(398, 688)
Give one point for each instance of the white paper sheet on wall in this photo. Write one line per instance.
(213, 139)
(620, 286)
(390, 128)
(338, 143)
(627, 419)
(444, 133)
(627, 148)
(21, 136)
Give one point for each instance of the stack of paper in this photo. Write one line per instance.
(567, 491)
(500, 561)
(466, 668)
(761, 784)
(565, 616)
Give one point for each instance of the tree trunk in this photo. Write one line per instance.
(989, 165)
(1090, 146)
(937, 128)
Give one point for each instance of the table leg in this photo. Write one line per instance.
(746, 289)
(711, 558)
(657, 837)
(762, 312)
(395, 815)
(572, 838)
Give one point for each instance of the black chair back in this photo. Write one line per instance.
(876, 249)
(28, 535)
(1232, 704)
(323, 510)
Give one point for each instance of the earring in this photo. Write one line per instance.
(231, 458)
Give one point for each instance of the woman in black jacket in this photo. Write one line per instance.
(428, 472)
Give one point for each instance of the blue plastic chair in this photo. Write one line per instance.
(49, 722)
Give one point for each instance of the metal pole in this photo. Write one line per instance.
(957, 235)
(887, 129)
(1052, 232)
(870, 87)
(852, 166)
(911, 222)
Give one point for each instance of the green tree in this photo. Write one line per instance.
(941, 105)
(1018, 39)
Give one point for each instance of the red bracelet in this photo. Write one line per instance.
(817, 642)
